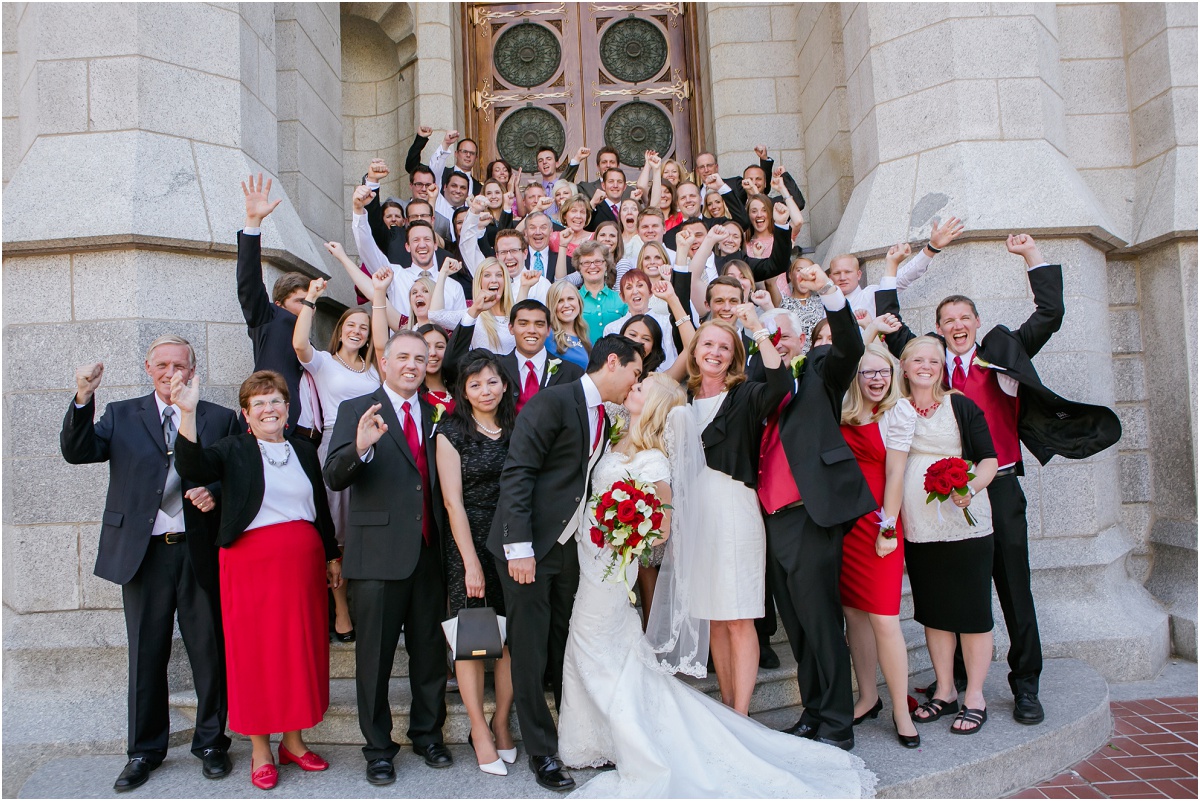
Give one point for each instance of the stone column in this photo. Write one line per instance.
(957, 109)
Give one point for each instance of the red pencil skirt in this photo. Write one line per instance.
(276, 620)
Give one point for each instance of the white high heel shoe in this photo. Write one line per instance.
(509, 755)
(496, 768)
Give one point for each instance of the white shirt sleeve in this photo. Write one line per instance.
(898, 425)
(437, 163)
(368, 251)
(518, 550)
(834, 301)
(1008, 384)
(251, 231)
(911, 270)
(1031, 269)
(468, 244)
(448, 318)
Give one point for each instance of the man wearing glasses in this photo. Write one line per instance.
(465, 156)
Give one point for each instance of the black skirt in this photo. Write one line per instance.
(952, 584)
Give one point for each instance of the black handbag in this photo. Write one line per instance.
(476, 633)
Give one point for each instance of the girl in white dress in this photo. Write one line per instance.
(492, 293)
(620, 703)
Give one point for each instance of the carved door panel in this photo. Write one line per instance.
(573, 74)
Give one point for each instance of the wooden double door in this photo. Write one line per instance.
(567, 75)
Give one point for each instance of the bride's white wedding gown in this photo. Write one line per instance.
(666, 738)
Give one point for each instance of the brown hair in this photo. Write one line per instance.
(937, 317)
(736, 373)
(367, 351)
(511, 233)
(262, 382)
(287, 284)
(723, 280)
(572, 202)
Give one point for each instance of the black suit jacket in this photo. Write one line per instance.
(1047, 423)
(236, 462)
(602, 213)
(544, 477)
(269, 326)
(830, 482)
(731, 441)
(387, 504)
(129, 437)
(460, 345)
(552, 271)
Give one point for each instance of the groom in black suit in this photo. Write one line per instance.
(383, 450)
(560, 436)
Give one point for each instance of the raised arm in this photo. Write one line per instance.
(437, 161)
(300, 343)
(572, 168)
(82, 440)
(468, 245)
(368, 250)
(413, 159)
(795, 215)
(376, 172)
(643, 179)
(195, 463)
(781, 248)
(252, 293)
(1046, 281)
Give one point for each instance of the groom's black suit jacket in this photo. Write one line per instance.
(545, 475)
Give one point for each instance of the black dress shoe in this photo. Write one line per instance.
(135, 774)
(767, 658)
(1027, 709)
(216, 763)
(381, 771)
(550, 773)
(871, 713)
(802, 729)
(436, 755)
(845, 745)
(913, 741)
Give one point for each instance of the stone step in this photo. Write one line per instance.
(775, 689)
(1003, 758)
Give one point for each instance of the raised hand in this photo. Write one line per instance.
(712, 182)
(663, 289)
(362, 196)
(484, 302)
(377, 171)
(258, 206)
(425, 131)
(780, 213)
(714, 235)
(748, 314)
(529, 278)
(382, 279)
(510, 197)
(336, 250)
(478, 204)
(516, 180)
(450, 138)
(749, 187)
(887, 323)
(637, 194)
(812, 278)
(451, 266)
(683, 241)
(762, 299)
(185, 395)
(777, 181)
(1021, 245)
(370, 428)
(654, 160)
(862, 318)
(581, 155)
(87, 379)
(316, 288)
(597, 197)
(898, 253)
(544, 202)
(942, 235)
(761, 152)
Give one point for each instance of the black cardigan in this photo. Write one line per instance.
(972, 429)
(237, 463)
(732, 440)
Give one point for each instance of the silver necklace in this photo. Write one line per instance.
(348, 367)
(491, 432)
(287, 451)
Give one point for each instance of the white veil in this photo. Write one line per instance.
(678, 641)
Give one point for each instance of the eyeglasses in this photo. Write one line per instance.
(509, 252)
(869, 374)
(421, 184)
(263, 404)
(468, 152)
(600, 263)
(420, 216)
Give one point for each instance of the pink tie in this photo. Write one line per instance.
(531, 386)
(959, 377)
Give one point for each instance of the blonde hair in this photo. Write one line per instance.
(736, 372)
(663, 394)
(662, 251)
(172, 339)
(572, 202)
(553, 296)
(855, 403)
(412, 317)
(501, 309)
(684, 175)
(939, 389)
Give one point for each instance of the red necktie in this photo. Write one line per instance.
(531, 385)
(959, 377)
(414, 445)
(616, 210)
(599, 426)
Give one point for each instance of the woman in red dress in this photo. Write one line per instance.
(878, 426)
(277, 553)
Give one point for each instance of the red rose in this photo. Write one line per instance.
(942, 485)
(656, 520)
(931, 482)
(633, 540)
(957, 476)
(938, 468)
(626, 511)
(958, 463)
(597, 537)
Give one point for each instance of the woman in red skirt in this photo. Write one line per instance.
(277, 553)
(878, 426)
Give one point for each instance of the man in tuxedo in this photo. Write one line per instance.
(383, 450)
(158, 543)
(997, 373)
(811, 491)
(465, 154)
(606, 159)
(452, 198)
(559, 437)
(608, 205)
(528, 367)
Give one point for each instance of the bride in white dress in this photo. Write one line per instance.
(620, 701)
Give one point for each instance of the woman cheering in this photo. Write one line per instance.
(277, 553)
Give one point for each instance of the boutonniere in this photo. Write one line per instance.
(553, 366)
(615, 431)
(978, 362)
(439, 412)
(774, 341)
(797, 366)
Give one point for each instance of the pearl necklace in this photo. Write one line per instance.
(348, 367)
(491, 432)
(287, 450)
(440, 397)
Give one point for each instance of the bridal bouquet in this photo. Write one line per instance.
(946, 476)
(629, 522)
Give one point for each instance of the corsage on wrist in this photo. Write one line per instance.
(887, 526)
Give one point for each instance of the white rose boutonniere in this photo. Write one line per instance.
(552, 366)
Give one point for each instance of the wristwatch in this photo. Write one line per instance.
(828, 289)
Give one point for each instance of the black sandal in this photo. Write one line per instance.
(967, 715)
(935, 708)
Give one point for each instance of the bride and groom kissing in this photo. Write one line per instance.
(568, 626)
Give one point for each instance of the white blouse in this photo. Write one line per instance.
(450, 318)
(898, 425)
(336, 383)
(287, 492)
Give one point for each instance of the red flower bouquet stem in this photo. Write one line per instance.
(949, 476)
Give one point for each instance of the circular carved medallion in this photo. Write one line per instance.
(633, 50)
(637, 127)
(527, 55)
(524, 131)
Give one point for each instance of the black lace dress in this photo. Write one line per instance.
(482, 461)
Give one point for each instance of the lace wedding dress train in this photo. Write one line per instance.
(666, 738)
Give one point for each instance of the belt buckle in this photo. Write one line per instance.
(174, 537)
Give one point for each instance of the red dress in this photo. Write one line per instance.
(868, 582)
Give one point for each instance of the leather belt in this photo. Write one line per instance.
(174, 537)
(306, 432)
(1008, 471)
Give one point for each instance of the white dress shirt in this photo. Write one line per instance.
(404, 277)
(163, 522)
(595, 405)
(414, 406)
(545, 258)
(539, 366)
(479, 338)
